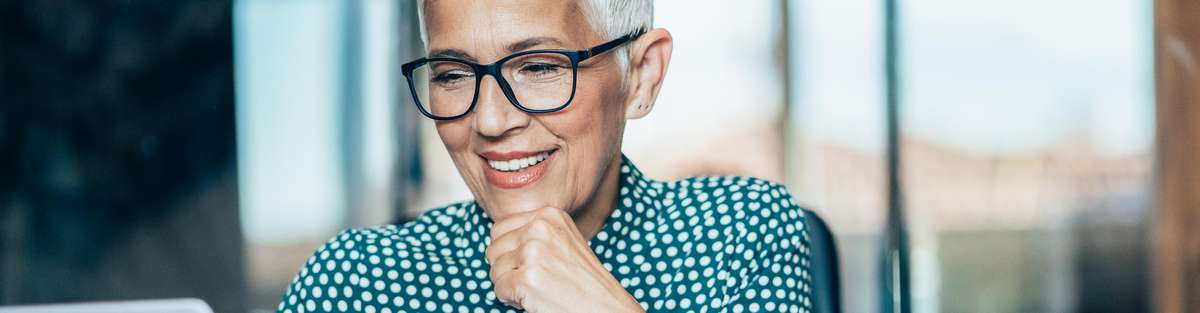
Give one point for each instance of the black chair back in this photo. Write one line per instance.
(823, 265)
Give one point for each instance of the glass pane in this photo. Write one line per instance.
(445, 88)
(1027, 156)
(541, 81)
(837, 133)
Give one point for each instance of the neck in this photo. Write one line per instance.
(592, 216)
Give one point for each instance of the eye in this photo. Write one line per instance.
(451, 76)
(540, 68)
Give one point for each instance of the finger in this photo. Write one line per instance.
(536, 229)
(504, 243)
(503, 264)
(511, 223)
(524, 263)
(551, 214)
(558, 218)
(501, 246)
(510, 287)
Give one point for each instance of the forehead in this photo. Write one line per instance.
(487, 26)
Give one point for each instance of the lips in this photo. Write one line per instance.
(511, 170)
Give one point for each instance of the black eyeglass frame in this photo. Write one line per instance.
(493, 69)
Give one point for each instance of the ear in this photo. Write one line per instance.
(650, 55)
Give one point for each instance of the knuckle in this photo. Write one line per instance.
(532, 249)
(547, 211)
(527, 278)
(551, 213)
(539, 227)
(495, 272)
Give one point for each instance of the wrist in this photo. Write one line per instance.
(626, 301)
(629, 303)
(634, 307)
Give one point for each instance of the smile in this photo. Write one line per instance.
(518, 164)
(513, 170)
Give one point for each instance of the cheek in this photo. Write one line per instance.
(591, 121)
(591, 126)
(455, 135)
(605, 112)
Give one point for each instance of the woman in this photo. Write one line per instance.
(561, 221)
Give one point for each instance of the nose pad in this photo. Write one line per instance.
(495, 115)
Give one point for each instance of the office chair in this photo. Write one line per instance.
(823, 265)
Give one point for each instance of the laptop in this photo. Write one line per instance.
(136, 306)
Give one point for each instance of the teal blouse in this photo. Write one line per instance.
(706, 244)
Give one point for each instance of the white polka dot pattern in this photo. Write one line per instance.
(707, 244)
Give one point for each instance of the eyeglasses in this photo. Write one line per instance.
(535, 81)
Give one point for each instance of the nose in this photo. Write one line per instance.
(495, 116)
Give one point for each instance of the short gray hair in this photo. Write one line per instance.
(609, 18)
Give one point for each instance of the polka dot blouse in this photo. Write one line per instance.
(710, 244)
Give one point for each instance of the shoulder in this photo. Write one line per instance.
(736, 195)
(435, 234)
(739, 208)
(435, 229)
(382, 260)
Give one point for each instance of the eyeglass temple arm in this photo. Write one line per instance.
(602, 48)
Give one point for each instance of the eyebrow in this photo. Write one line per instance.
(452, 53)
(512, 48)
(532, 42)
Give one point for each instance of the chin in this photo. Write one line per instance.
(522, 181)
(509, 203)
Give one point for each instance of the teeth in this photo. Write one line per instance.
(518, 164)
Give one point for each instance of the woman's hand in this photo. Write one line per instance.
(541, 263)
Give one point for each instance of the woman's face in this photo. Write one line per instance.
(580, 143)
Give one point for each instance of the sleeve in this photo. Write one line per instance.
(326, 282)
(778, 278)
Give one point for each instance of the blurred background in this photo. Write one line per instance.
(202, 148)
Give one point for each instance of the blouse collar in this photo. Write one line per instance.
(638, 203)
